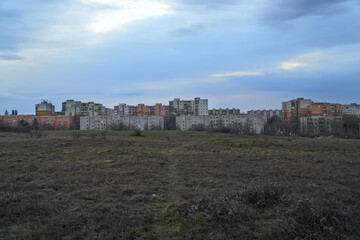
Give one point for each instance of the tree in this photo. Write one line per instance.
(351, 125)
(273, 125)
(35, 124)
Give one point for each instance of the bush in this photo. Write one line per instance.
(119, 126)
(103, 134)
(137, 132)
(76, 135)
(94, 134)
(198, 127)
(295, 216)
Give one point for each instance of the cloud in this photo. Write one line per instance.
(292, 65)
(114, 14)
(237, 74)
(10, 56)
(173, 84)
(188, 31)
(284, 10)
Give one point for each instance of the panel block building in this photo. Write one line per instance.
(45, 108)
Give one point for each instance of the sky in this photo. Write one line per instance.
(244, 54)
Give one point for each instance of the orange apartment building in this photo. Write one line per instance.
(157, 110)
(56, 122)
(325, 109)
(301, 107)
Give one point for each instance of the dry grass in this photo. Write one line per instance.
(178, 185)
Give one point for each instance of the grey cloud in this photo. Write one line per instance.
(188, 31)
(285, 10)
(10, 56)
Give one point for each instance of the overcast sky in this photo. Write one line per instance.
(245, 54)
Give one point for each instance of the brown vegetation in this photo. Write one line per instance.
(178, 185)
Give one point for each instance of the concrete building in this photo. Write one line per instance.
(248, 123)
(319, 125)
(71, 108)
(45, 108)
(200, 107)
(226, 111)
(267, 114)
(197, 107)
(351, 109)
(45, 122)
(295, 108)
(325, 109)
(132, 122)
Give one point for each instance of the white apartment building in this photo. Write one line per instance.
(351, 109)
(250, 123)
(133, 122)
(198, 107)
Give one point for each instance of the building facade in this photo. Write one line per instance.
(45, 108)
(44, 122)
(320, 125)
(132, 122)
(247, 123)
(295, 108)
(197, 107)
(225, 111)
(351, 109)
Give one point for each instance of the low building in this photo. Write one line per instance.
(320, 125)
(132, 122)
(225, 111)
(44, 122)
(247, 123)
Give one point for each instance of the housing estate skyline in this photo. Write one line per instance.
(247, 55)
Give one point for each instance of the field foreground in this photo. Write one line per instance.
(178, 185)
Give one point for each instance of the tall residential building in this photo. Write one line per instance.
(324, 109)
(45, 108)
(197, 107)
(295, 108)
(351, 109)
(71, 108)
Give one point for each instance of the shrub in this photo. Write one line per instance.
(93, 134)
(137, 132)
(103, 134)
(76, 135)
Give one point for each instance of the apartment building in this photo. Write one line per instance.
(267, 114)
(78, 108)
(295, 108)
(319, 125)
(133, 122)
(45, 122)
(351, 109)
(325, 109)
(249, 123)
(197, 107)
(45, 108)
(71, 108)
(226, 111)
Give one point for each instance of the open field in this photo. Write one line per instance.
(178, 185)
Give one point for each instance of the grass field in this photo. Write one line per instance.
(178, 185)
